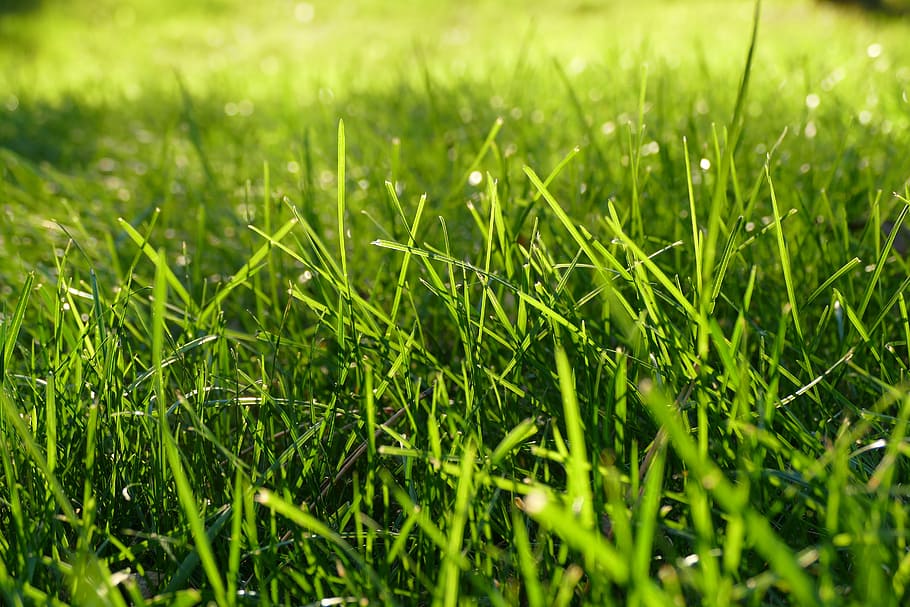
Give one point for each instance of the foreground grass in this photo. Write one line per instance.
(246, 359)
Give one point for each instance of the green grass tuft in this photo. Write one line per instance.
(312, 303)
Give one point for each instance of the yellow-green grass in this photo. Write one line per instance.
(452, 302)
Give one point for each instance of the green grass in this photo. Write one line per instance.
(461, 303)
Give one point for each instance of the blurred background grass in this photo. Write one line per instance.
(117, 108)
(128, 47)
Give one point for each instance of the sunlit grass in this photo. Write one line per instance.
(319, 302)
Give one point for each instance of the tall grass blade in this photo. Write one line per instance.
(731, 499)
(169, 446)
(609, 562)
(449, 577)
(342, 248)
(578, 466)
(719, 198)
(13, 326)
(886, 250)
(203, 545)
(527, 563)
(153, 256)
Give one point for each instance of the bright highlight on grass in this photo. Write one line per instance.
(349, 308)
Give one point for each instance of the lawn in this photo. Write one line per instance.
(322, 303)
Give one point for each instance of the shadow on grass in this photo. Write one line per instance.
(64, 133)
(894, 8)
(200, 159)
(8, 7)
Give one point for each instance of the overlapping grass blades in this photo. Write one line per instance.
(563, 391)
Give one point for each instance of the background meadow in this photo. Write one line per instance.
(443, 303)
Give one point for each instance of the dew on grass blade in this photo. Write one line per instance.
(535, 502)
(650, 148)
(811, 130)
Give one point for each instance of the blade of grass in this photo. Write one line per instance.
(725, 259)
(569, 226)
(719, 198)
(647, 518)
(51, 422)
(517, 435)
(488, 255)
(478, 158)
(13, 326)
(13, 418)
(578, 465)
(342, 248)
(153, 256)
(886, 250)
(696, 234)
(241, 489)
(448, 579)
(526, 562)
(305, 520)
(787, 269)
(546, 510)
(251, 267)
(732, 499)
(405, 263)
(847, 267)
(169, 446)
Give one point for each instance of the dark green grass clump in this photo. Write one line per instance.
(532, 337)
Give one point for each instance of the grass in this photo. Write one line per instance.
(335, 306)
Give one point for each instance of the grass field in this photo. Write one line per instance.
(452, 303)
